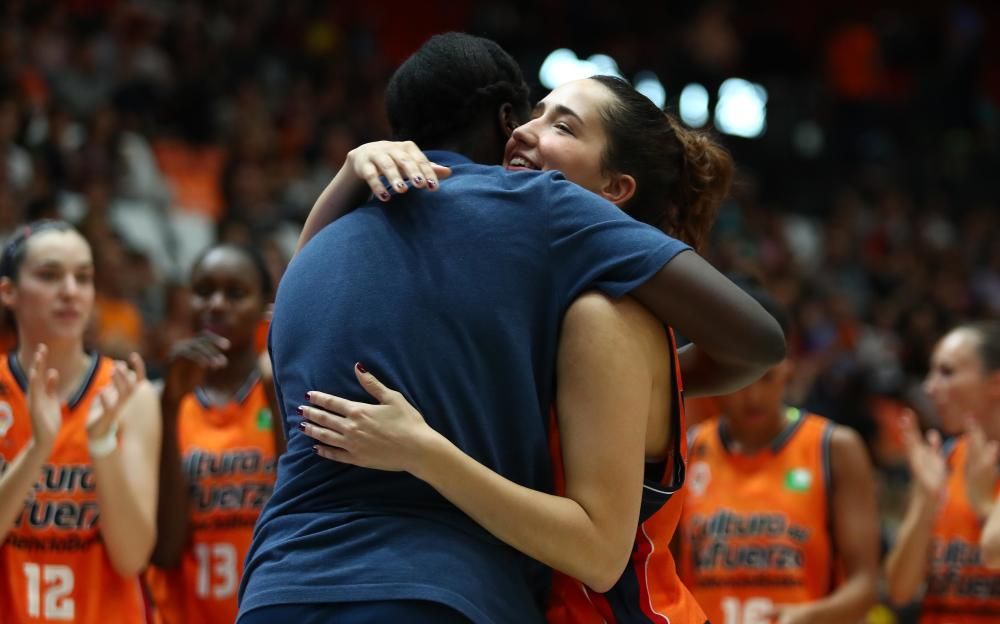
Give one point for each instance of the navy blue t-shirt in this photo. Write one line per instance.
(455, 299)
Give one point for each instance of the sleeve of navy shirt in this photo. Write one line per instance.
(596, 245)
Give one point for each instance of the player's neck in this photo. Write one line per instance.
(751, 438)
(66, 357)
(991, 425)
(227, 381)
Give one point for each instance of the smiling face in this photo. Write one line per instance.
(52, 293)
(567, 133)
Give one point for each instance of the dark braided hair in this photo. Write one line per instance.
(449, 85)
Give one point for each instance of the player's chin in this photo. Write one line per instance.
(63, 327)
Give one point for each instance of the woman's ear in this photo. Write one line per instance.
(507, 120)
(618, 188)
(994, 387)
(8, 297)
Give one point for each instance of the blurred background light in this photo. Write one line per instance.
(649, 85)
(563, 65)
(694, 105)
(742, 108)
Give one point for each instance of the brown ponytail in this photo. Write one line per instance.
(706, 175)
(681, 175)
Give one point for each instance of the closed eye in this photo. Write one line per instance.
(562, 127)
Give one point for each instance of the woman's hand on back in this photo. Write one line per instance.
(391, 436)
(396, 161)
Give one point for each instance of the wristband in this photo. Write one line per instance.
(103, 446)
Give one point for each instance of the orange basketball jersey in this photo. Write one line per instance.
(649, 590)
(755, 528)
(229, 460)
(959, 589)
(53, 564)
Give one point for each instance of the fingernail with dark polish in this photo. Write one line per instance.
(308, 398)
(432, 183)
(418, 179)
(299, 410)
(383, 196)
(316, 450)
(302, 425)
(361, 367)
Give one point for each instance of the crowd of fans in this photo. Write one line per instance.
(867, 207)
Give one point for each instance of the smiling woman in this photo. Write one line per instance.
(610, 139)
(559, 137)
(615, 359)
(76, 539)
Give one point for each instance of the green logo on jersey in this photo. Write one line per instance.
(264, 419)
(798, 480)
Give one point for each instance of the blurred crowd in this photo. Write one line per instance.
(868, 207)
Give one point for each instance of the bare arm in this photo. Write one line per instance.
(360, 176)
(45, 412)
(735, 341)
(189, 360)
(172, 506)
(906, 565)
(604, 390)
(17, 481)
(855, 532)
(981, 486)
(989, 541)
(277, 424)
(126, 481)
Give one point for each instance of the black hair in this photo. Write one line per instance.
(988, 348)
(451, 84)
(264, 279)
(16, 248)
(681, 175)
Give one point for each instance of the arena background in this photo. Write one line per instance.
(867, 137)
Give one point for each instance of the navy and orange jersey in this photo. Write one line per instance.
(649, 590)
(54, 566)
(756, 528)
(959, 588)
(229, 460)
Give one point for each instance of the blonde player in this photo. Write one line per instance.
(937, 554)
